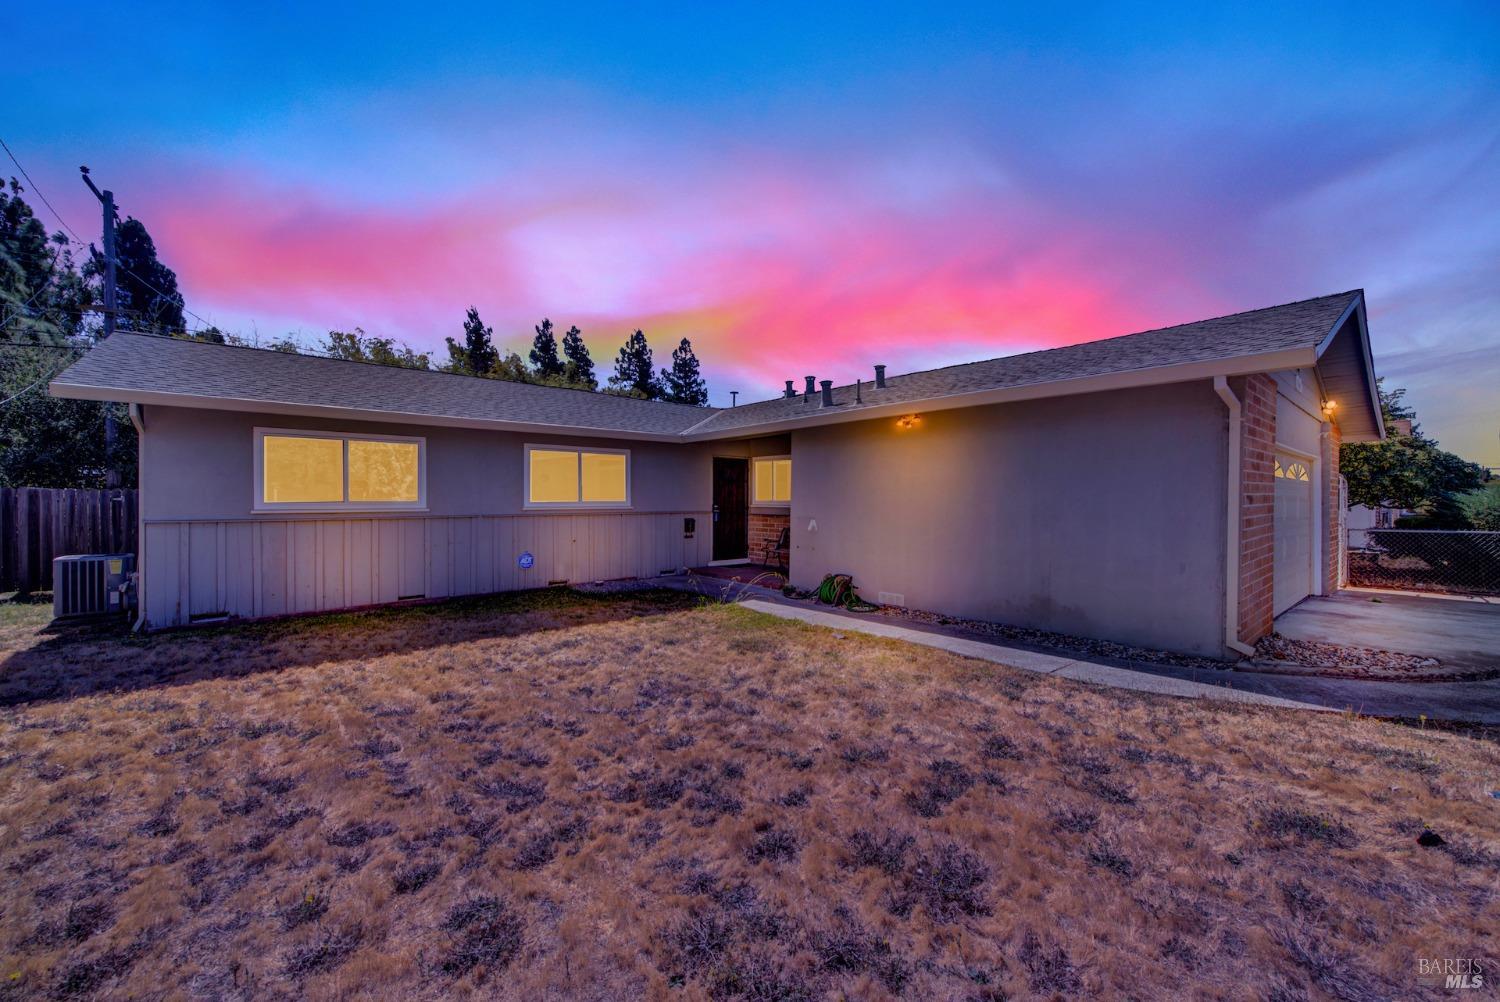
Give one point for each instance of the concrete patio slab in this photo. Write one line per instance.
(1461, 634)
(1032, 661)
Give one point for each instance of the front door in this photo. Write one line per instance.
(731, 508)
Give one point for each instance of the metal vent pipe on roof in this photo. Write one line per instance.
(880, 377)
(807, 394)
(791, 391)
(827, 385)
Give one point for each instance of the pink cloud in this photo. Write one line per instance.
(773, 272)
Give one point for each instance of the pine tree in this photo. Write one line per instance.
(544, 352)
(147, 289)
(635, 375)
(477, 355)
(579, 369)
(682, 383)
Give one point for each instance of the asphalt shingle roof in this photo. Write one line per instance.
(1276, 328)
(133, 364)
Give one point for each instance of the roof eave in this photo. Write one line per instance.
(1291, 358)
(1356, 309)
(83, 391)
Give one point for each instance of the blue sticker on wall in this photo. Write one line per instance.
(526, 560)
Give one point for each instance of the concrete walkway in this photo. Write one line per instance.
(1462, 633)
(1474, 702)
(1026, 660)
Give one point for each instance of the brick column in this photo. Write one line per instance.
(1332, 542)
(1257, 395)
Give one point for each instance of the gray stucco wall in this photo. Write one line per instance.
(205, 553)
(199, 464)
(1100, 515)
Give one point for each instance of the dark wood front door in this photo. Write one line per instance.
(731, 509)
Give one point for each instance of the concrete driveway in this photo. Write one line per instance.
(1462, 633)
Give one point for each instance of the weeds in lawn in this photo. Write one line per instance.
(1294, 824)
(555, 795)
(483, 932)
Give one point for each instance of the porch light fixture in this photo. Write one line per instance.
(1329, 406)
(909, 421)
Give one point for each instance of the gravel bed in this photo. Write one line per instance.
(1082, 646)
(1276, 653)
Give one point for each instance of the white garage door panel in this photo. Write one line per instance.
(1294, 532)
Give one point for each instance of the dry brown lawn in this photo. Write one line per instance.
(560, 796)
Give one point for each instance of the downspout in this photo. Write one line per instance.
(138, 420)
(1232, 526)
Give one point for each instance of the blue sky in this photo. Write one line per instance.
(798, 189)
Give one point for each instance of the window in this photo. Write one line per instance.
(773, 480)
(1292, 471)
(577, 478)
(314, 470)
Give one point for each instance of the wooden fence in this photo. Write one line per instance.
(38, 523)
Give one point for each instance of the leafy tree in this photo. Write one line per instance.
(1482, 507)
(477, 355)
(147, 289)
(26, 259)
(682, 383)
(49, 442)
(546, 364)
(511, 367)
(579, 369)
(635, 374)
(356, 346)
(285, 344)
(45, 441)
(1407, 470)
(42, 294)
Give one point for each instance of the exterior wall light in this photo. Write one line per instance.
(909, 421)
(1329, 406)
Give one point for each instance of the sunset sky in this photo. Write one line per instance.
(800, 189)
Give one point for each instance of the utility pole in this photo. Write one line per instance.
(107, 200)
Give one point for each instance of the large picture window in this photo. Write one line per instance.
(773, 480)
(314, 470)
(563, 477)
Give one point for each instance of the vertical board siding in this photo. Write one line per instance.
(39, 523)
(274, 567)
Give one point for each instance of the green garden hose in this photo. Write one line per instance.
(838, 590)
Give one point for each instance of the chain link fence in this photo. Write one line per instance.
(1456, 562)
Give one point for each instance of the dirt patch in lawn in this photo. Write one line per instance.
(558, 796)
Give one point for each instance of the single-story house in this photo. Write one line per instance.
(1175, 488)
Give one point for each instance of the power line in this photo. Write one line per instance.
(23, 346)
(51, 274)
(29, 387)
(39, 194)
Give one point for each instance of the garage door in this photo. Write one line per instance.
(1294, 532)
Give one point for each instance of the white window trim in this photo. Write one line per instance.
(259, 504)
(766, 504)
(577, 450)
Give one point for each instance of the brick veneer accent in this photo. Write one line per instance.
(1257, 395)
(1333, 543)
(765, 529)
